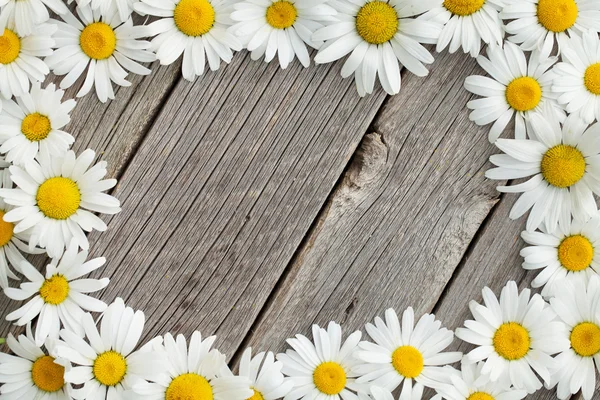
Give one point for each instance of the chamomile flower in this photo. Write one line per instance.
(281, 27)
(101, 44)
(470, 384)
(33, 123)
(56, 197)
(515, 337)
(323, 368)
(59, 296)
(562, 162)
(467, 24)
(378, 34)
(24, 16)
(409, 355)
(565, 254)
(578, 307)
(107, 364)
(539, 23)
(264, 373)
(577, 78)
(516, 88)
(20, 58)
(194, 372)
(32, 373)
(195, 28)
(124, 7)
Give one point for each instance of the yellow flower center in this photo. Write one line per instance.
(585, 339)
(557, 15)
(58, 198)
(563, 166)
(6, 230)
(36, 127)
(524, 93)
(408, 361)
(47, 375)
(98, 41)
(330, 378)
(110, 368)
(377, 22)
(256, 396)
(194, 17)
(281, 14)
(480, 396)
(55, 290)
(10, 47)
(189, 387)
(592, 78)
(575, 253)
(511, 341)
(463, 7)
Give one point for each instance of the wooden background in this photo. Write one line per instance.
(258, 201)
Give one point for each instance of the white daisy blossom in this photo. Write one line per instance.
(516, 88)
(515, 336)
(378, 34)
(194, 372)
(11, 243)
(322, 368)
(56, 197)
(195, 28)
(281, 27)
(102, 44)
(562, 162)
(539, 23)
(20, 58)
(563, 255)
(265, 375)
(577, 78)
(470, 384)
(467, 24)
(106, 363)
(579, 308)
(406, 353)
(59, 296)
(32, 373)
(24, 16)
(33, 123)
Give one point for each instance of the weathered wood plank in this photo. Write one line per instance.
(401, 219)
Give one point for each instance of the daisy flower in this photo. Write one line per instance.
(59, 297)
(467, 23)
(20, 58)
(11, 243)
(577, 78)
(56, 196)
(264, 373)
(33, 123)
(471, 384)
(195, 28)
(322, 369)
(579, 308)
(537, 23)
(194, 372)
(32, 373)
(516, 88)
(405, 353)
(515, 337)
(103, 45)
(281, 27)
(562, 162)
(563, 254)
(378, 34)
(26, 15)
(106, 363)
